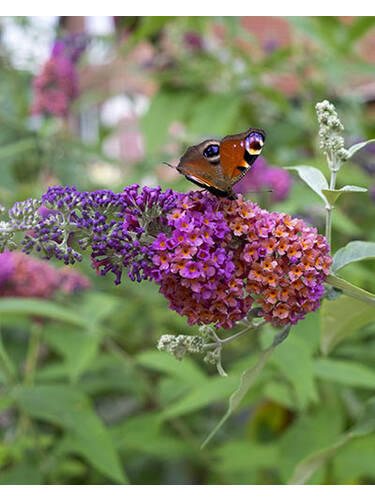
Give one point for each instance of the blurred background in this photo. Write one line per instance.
(102, 102)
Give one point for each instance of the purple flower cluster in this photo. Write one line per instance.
(214, 259)
(29, 277)
(117, 227)
(71, 47)
(262, 177)
(123, 241)
(193, 40)
(57, 85)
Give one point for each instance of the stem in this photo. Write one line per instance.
(25, 423)
(219, 341)
(32, 353)
(329, 223)
(242, 332)
(6, 364)
(334, 166)
(218, 344)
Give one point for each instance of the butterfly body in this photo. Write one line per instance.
(218, 165)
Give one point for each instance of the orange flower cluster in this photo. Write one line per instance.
(225, 257)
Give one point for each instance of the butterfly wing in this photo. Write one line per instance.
(204, 170)
(238, 152)
(218, 165)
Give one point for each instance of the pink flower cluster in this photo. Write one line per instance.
(57, 85)
(30, 277)
(72, 281)
(55, 88)
(195, 266)
(224, 257)
(262, 177)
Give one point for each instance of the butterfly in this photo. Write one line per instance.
(218, 165)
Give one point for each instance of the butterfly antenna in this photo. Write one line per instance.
(168, 164)
(260, 192)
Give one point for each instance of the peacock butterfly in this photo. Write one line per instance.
(218, 165)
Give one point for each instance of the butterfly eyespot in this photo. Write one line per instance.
(254, 143)
(211, 151)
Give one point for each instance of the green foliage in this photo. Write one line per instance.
(357, 147)
(351, 290)
(43, 309)
(353, 252)
(307, 467)
(70, 409)
(345, 372)
(341, 318)
(85, 397)
(248, 378)
(313, 178)
(332, 195)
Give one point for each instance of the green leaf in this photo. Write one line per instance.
(185, 370)
(96, 306)
(343, 223)
(166, 107)
(44, 309)
(359, 27)
(349, 373)
(313, 178)
(143, 433)
(355, 461)
(240, 456)
(280, 392)
(212, 390)
(149, 26)
(70, 409)
(310, 432)
(7, 366)
(17, 147)
(22, 473)
(333, 194)
(306, 468)
(225, 108)
(5, 402)
(293, 359)
(351, 290)
(78, 347)
(356, 147)
(341, 318)
(353, 252)
(248, 378)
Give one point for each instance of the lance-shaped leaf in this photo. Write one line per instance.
(356, 147)
(17, 147)
(346, 373)
(248, 378)
(44, 309)
(313, 178)
(341, 318)
(333, 194)
(351, 290)
(353, 252)
(306, 468)
(70, 409)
